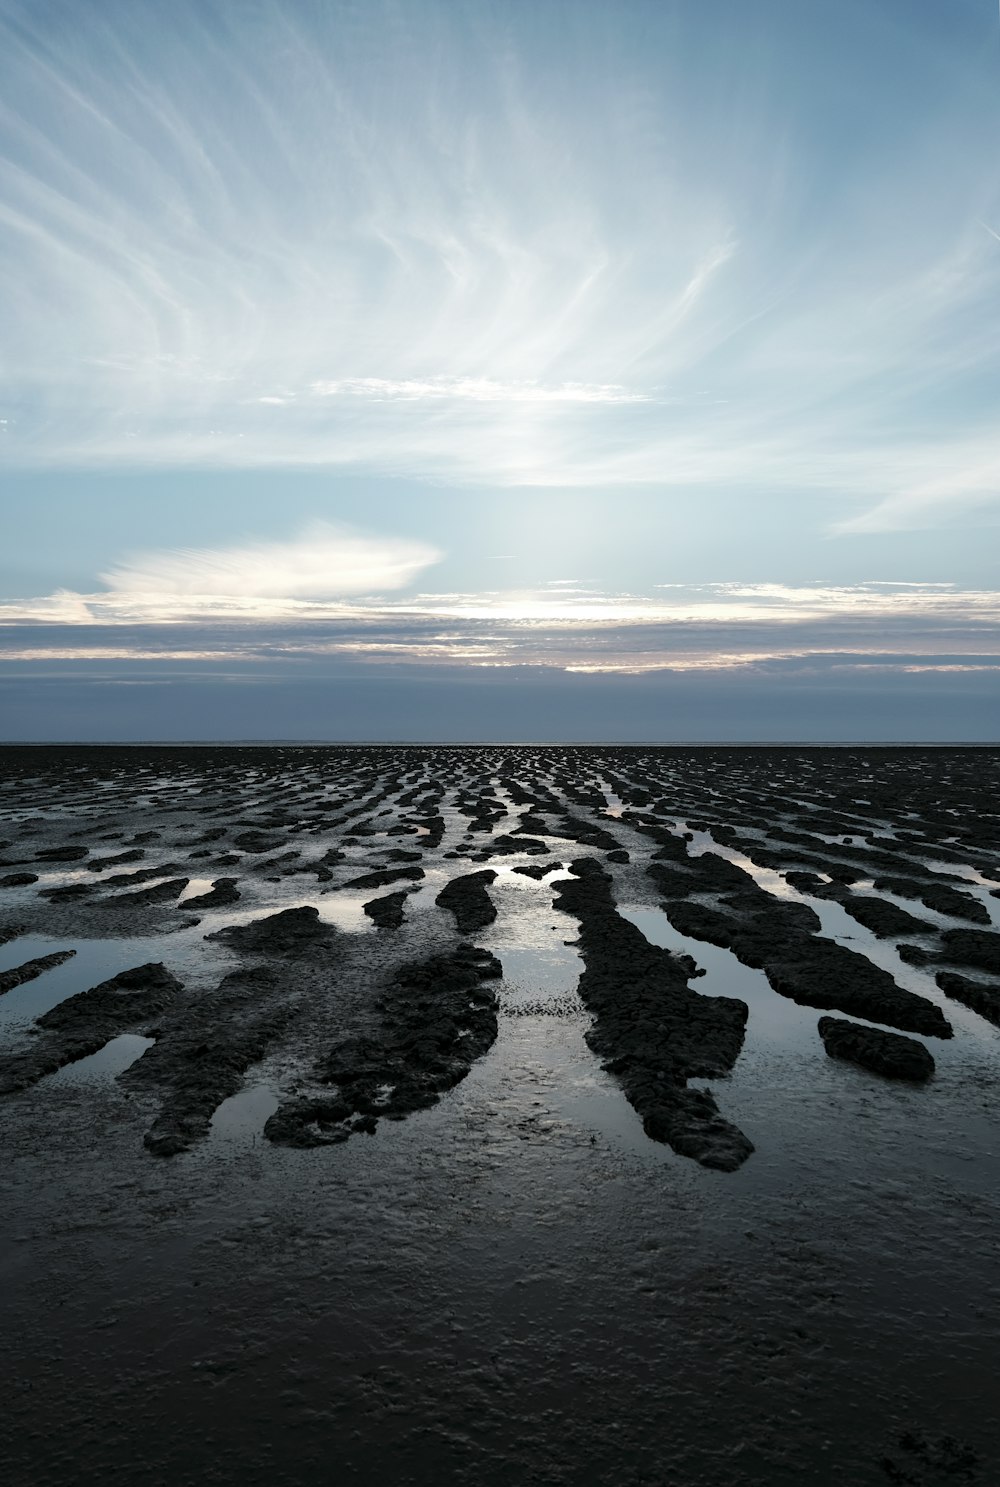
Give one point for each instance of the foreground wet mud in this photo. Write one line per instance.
(484, 1114)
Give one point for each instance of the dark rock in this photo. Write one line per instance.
(62, 854)
(383, 876)
(439, 1019)
(467, 899)
(32, 968)
(18, 880)
(972, 947)
(884, 1053)
(387, 912)
(285, 933)
(982, 996)
(223, 891)
(651, 1030)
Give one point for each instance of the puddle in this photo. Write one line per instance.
(184, 952)
(343, 909)
(775, 1024)
(245, 1114)
(195, 887)
(836, 924)
(106, 1063)
(540, 1074)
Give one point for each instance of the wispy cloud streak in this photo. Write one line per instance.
(406, 241)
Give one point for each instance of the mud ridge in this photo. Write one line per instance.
(650, 1029)
(438, 1019)
(82, 1024)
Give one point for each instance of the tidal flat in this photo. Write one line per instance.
(564, 1115)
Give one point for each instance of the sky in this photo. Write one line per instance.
(530, 370)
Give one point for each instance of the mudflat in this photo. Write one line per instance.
(490, 1114)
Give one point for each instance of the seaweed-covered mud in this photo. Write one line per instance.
(729, 1016)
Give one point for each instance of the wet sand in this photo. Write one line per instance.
(463, 1114)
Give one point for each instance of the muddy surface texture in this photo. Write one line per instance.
(461, 1115)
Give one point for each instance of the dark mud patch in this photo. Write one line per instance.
(650, 1029)
(222, 892)
(203, 1052)
(159, 893)
(976, 948)
(467, 899)
(438, 1019)
(888, 1054)
(780, 939)
(82, 1024)
(382, 877)
(289, 932)
(386, 912)
(982, 996)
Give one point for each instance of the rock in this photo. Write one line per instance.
(82, 1024)
(18, 880)
(467, 899)
(62, 854)
(32, 968)
(439, 1018)
(285, 933)
(223, 891)
(889, 1054)
(982, 996)
(387, 912)
(383, 876)
(972, 947)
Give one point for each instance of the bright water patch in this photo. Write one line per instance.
(184, 952)
(775, 1024)
(245, 1114)
(195, 887)
(344, 909)
(107, 1063)
(836, 924)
